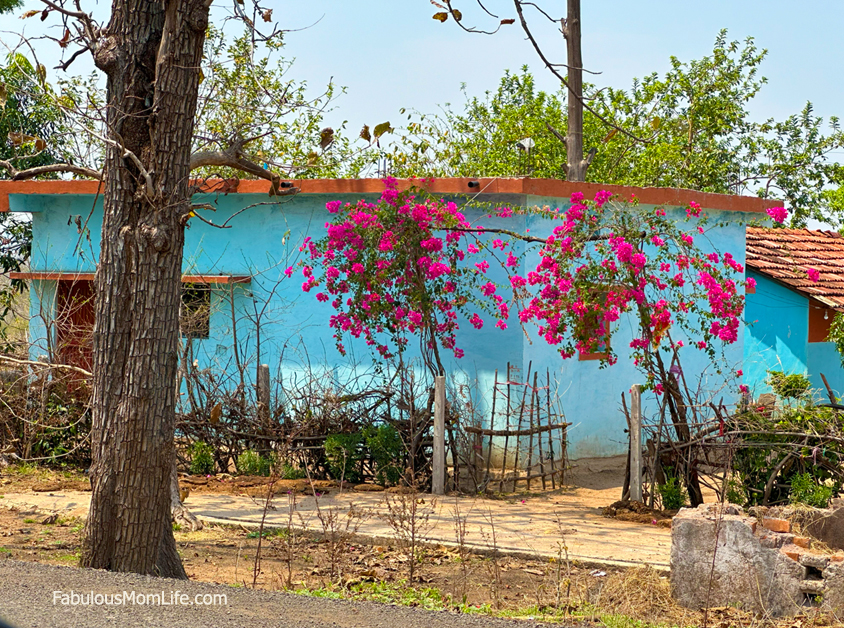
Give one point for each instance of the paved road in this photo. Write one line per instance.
(28, 591)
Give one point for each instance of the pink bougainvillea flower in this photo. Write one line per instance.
(777, 214)
(693, 210)
(813, 274)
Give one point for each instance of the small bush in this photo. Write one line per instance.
(791, 386)
(201, 458)
(343, 453)
(735, 492)
(386, 449)
(805, 489)
(252, 463)
(288, 472)
(672, 493)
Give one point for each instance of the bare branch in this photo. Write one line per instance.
(29, 173)
(194, 213)
(540, 9)
(90, 27)
(67, 367)
(232, 159)
(64, 65)
(469, 29)
(79, 15)
(487, 11)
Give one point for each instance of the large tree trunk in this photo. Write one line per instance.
(151, 54)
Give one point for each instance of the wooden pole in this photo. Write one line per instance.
(530, 418)
(550, 434)
(491, 427)
(636, 443)
(264, 392)
(506, 438)
(438, 462)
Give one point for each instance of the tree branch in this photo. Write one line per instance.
(233, 159)
(29, 173)
(67, 367)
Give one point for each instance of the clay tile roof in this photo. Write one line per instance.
(785, 255)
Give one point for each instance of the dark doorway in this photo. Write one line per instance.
(75, 322)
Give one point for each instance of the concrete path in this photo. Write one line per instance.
(533, 526)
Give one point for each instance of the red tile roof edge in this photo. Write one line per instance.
(815, 248)
(536, 187)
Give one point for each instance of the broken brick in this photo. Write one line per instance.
(777, 525)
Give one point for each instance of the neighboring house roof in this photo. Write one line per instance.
(786, 255)
(551, 188)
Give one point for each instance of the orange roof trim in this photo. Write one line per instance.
(786, 255)
(524, 185)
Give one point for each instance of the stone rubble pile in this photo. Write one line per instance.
(722, 556)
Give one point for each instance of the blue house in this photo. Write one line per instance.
(789, 314)
(251, 313)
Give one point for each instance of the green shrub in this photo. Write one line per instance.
(344, 453)
(777, 441)
(791, 386)
(735, 491)
(252, 463)
(672, 493)
(806, 489)
(201, 458)
(386, 450)
(289, 472)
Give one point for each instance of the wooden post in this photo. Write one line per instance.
(636, 443)
(263, 391)
(438, 462)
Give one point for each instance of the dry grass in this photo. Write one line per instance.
(646, 595)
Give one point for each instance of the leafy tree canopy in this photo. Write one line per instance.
(32, 133)
(247, 96)
(694, 124)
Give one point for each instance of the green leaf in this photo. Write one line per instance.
(382, 128)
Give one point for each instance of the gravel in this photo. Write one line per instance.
(31, 596)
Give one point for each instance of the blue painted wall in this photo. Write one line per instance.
(777, 323)
(264, 240)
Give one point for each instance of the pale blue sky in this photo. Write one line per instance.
(392, 54)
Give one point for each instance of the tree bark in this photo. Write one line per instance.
(576, 165)
(151, 53)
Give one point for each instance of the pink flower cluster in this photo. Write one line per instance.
(392, 268)
(777, 214)
(580, 288)
(404, 266)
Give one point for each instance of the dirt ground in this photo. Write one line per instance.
(335, 564)
(444, 578)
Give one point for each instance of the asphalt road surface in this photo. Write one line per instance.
(33, 595)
